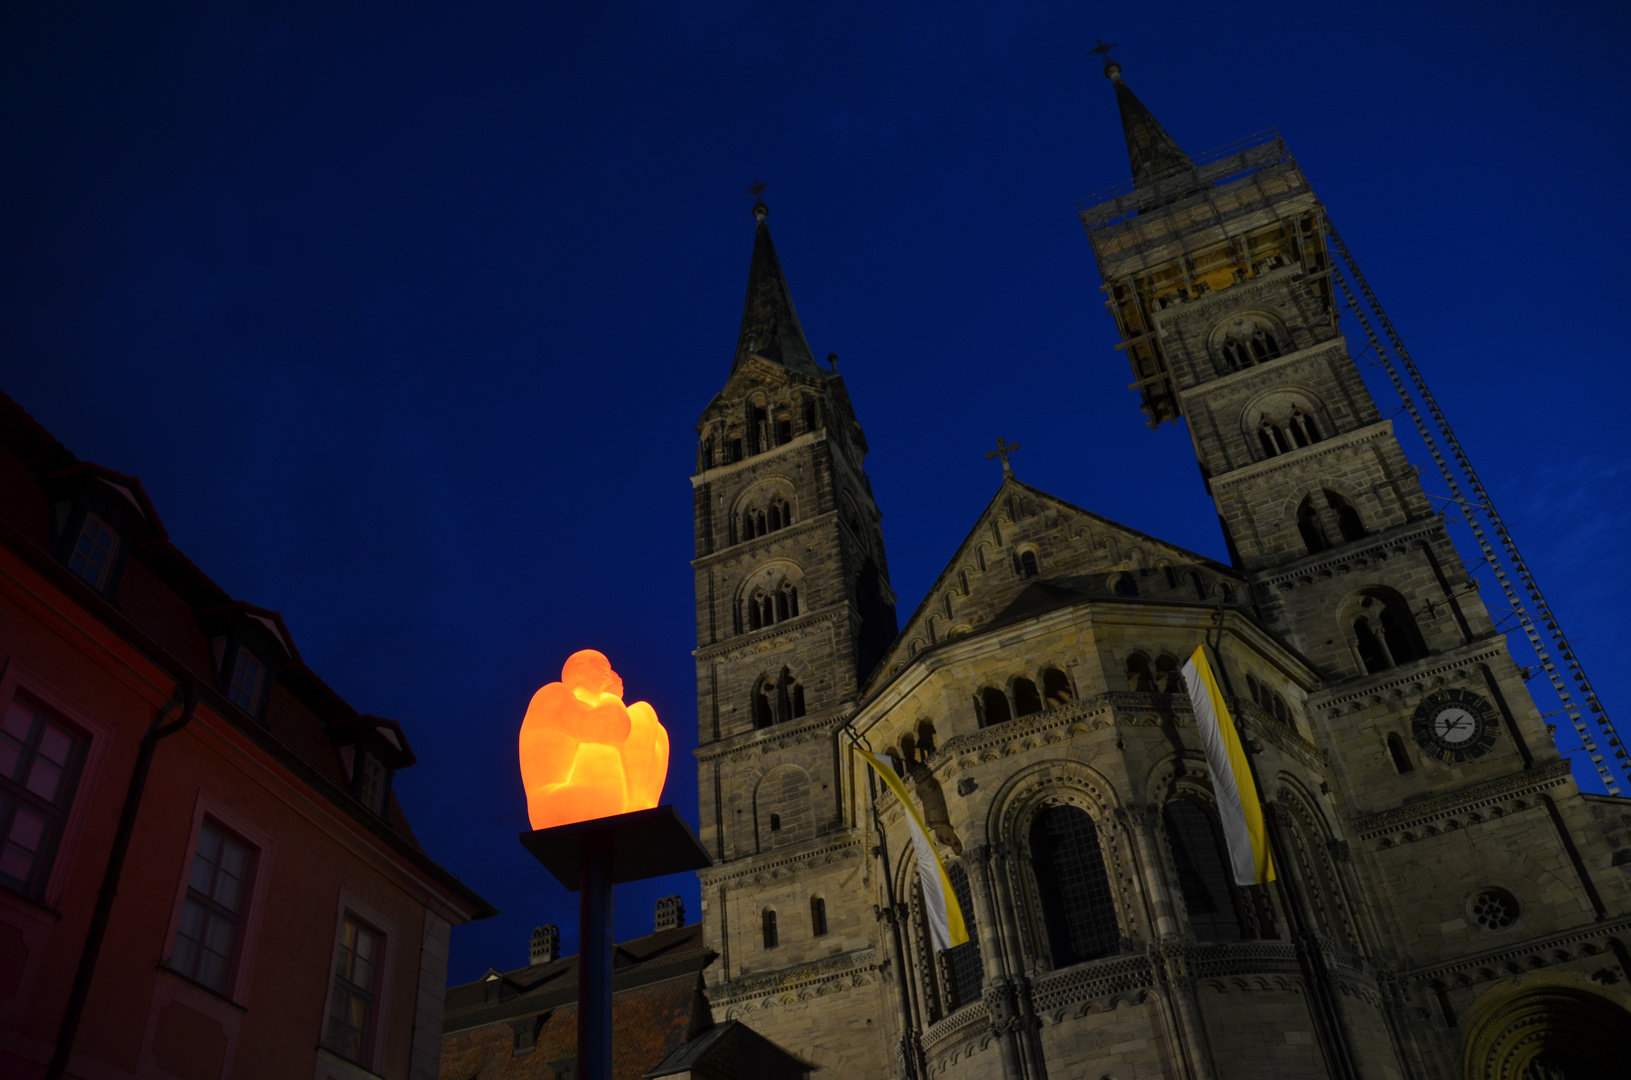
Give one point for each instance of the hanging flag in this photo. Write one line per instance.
(940, 905)
(1238, 808)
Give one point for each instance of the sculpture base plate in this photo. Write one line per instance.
(645, 844)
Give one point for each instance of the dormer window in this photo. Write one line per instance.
(373, 782)
(94, 551)
(371, 749)
(248, 676)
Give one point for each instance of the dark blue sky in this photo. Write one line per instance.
(404, 313)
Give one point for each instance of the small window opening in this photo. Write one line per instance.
(1056, 688)
(1308, 523)
(1126, 585)
(1167, 679)
(247, 675)
(1139, 677)
(994, 707)
(1027, 564)
(775, 823)
(1401, 759)
(763, 716)
(784, 431)
(771, 940)
(1348, 520)
(1026, 699)
(92, 558)
(818, 917)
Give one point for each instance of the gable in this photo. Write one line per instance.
(1076, 555)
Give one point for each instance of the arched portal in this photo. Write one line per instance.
(1548, 1033)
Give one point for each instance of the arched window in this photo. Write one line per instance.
(1385, 632)
(1254, 688)
(781, 605)
(1027, 564)
(908, 748)
(798, 700)
(1264, 347)
(791, 592)
(771, 940)
(1056, 688)
(1125, 585)
(925, 737)
(818, 917)
(759, 430)
(1371, 652)
(810, 419)
(1196, 584)
(707, 453)
(1308, 523)
(1203, 871)
(1026, 699)
(763, 714)
(1274, 440)
(1395, 749)
(1167, 678)
(1303, 427)
(1236, 355)
(993, 707)
(1400, 633)
(1139, 676)
(966, 976)
(1078, 909)
(784, 430)
(736, 449)
(1348, 520)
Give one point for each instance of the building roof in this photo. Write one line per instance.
(163, 606)
(515, 1023)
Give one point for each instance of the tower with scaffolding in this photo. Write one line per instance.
(1237, 302)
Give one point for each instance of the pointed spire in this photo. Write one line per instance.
(770, 326)
(1154, 154)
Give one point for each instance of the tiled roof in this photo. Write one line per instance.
(655, 1004)
(162, 604)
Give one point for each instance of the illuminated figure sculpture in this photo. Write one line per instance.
(584, 754)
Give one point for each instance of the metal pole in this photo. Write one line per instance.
(595, 956)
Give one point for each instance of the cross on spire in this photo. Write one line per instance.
(1002, 451)
(1101, 49)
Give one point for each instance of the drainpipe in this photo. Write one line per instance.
(110, 881)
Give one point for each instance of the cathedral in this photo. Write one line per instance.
(1448, 904)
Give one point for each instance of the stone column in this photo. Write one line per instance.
(1168, 960)
(997, 993)
(1017, 989)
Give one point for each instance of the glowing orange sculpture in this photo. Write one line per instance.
(583, 753)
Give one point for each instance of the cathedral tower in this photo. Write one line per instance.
(794, 610)
(1217, 273)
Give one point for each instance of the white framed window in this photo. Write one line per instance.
(40, 760)
(354, 997)
(92, 557)
(210, 937)
(248, 675)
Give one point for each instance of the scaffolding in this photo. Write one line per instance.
(1507, 564)
(1190, 216)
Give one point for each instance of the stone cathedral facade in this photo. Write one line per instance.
(1449, 905)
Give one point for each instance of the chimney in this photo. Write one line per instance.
(546, 944)
(670, 913)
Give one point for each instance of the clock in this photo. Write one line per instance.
(1455, 725)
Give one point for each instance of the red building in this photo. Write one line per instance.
(203, 870)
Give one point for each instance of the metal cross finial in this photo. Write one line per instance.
(1003, 450)
(757, 189)
(1101, 49)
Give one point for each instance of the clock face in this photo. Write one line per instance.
(1455, 725)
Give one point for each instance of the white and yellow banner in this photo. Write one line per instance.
(940, 905)
(1238, 809)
